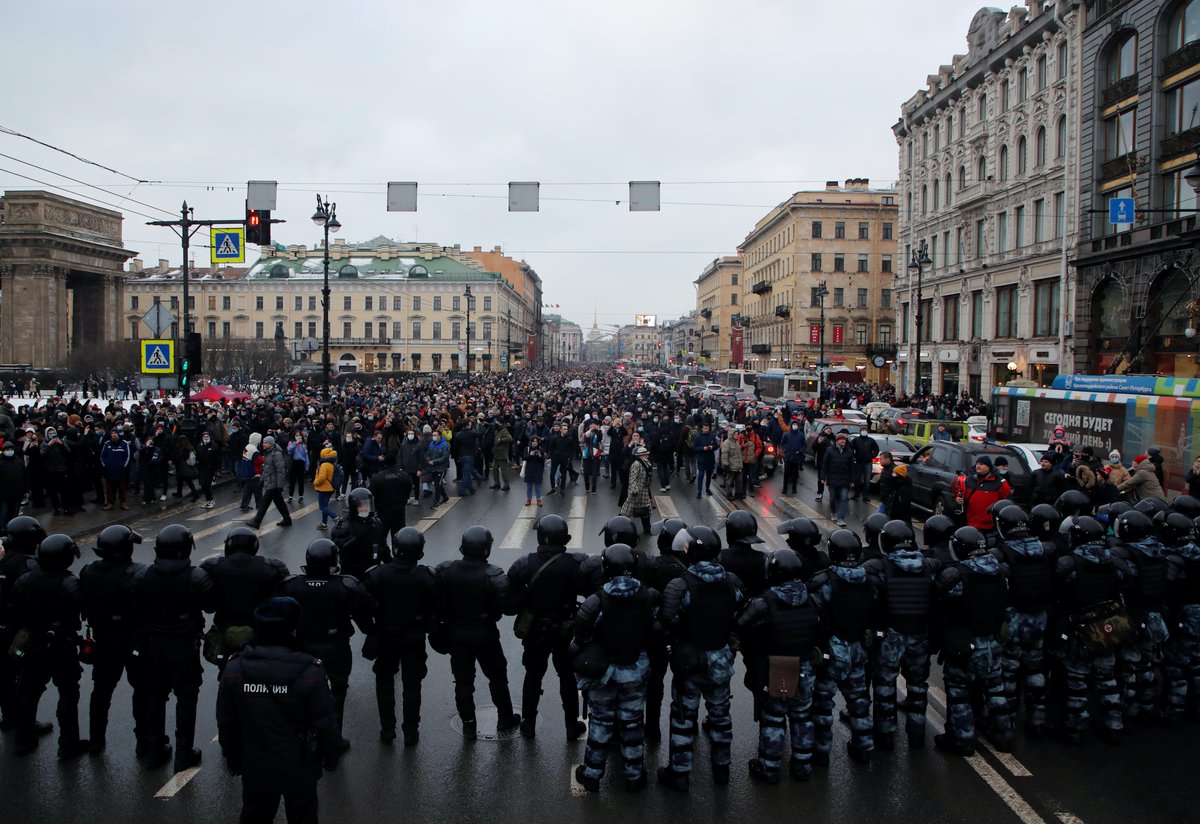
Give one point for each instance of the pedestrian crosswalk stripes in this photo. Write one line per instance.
(212, 513)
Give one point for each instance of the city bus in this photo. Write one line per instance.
(788, 385)
(1130, 413)
(737, 380)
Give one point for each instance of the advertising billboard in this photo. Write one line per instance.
(645, 320)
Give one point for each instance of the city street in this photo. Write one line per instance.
(445, 778)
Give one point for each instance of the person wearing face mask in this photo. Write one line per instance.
(392, 488)
(704, 451)
(208, 459)
(1117, 473)
(412, 458)
(437, 463)
(501, 444)
(792, 445)
(114, 459)
(348, 453)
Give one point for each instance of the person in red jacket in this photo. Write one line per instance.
(980, 492)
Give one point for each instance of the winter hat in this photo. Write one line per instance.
(841, 436)
(1137, 459)
(984, 460)
(51, 433)
(1115, 454)
(255, 438)
(426, 429)
(1001, 461)
(268, 441)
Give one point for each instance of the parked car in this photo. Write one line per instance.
(836, 424)
(920, 431)
(902, 452)
(934, 467)
(976, 434)
(978, 420)
(889, 421)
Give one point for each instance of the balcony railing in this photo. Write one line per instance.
(783, 311)
(978, 191)
(760, 348)
(761, 288)
(888, 350)
(706, 313)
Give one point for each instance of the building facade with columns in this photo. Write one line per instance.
(639, 344)
(843, 236)
(988, 191)
(718, 299)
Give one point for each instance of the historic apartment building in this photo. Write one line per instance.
(639, 344)
(986, 189)
(1139, 94)
(718, 299)
(680, 343)
(843, 237)
(393, 306)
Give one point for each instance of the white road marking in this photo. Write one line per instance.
(1009, 761)
(294, 514)
(666, 507)
(579, 505)
(212, 513)
(177, 783)
(515, 537)
(1067, 818)
(575, 525)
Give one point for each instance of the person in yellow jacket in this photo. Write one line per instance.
(323, 485)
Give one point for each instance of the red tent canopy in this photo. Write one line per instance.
(214, 394)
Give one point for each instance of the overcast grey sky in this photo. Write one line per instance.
(731, 104)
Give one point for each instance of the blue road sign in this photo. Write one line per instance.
(228, 245)
(158, 357)
(1120, 210)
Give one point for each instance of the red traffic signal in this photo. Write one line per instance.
(258, 226)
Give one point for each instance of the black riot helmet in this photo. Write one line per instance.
(619, 530)
(1081, 529)
(174, 542)
(1152, 506)
(679, 543)
(967, 542)
(409, 544)
(24, 535)
(1133, 526)
(938, 529)
(1012, 522)
(552, 530)
(844, 548)
(703, 544)
(476, 543)
(896, 536)
(784, 565)
(1177, 529)
(1108, 513)
(321, 558)
(742, 527)
(999, 505)
(801, 533)
(242, 539)
(1186, 505)
(360, 503)
(57, 552)
(618, 560)
(872, 527)
(667, 530)
(1073, 502)
(117, 542)
(1044, 521)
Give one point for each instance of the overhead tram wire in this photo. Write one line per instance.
(89, 185)
(95, 200)
(15, 133)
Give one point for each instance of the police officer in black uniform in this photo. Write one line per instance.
(276, 719)
(872, 527)
(171, 597)
(937, 533)
(20, 545)
(242, 580)
(740, 557)
(657, 572)
(360, 535)
(107, 586)
(543, 586)
(804, 538)
(617, 530)
(391, 488)
(48, 600)
(330, 602)
(406, 601)
(475, 594)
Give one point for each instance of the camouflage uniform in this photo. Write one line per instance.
(1148, 563)
(847, 606)
(1030, 565)
(1182, 652)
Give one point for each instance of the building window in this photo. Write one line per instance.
(864, 230)
(455, 330)
(1041, 72)
(959, 251)
(1019, 227)
(981, 109)
(1003, 96)
(885, 298)
(863, 263)
(886, 263)
(839, 230)
(981, 170)
(1003, 163)
(133, 328)
(1006, 312)
(455, 303)
(1122, 59)
(397, 330)
(347, 331)
(212, 303)
(1046, 308)
(1177, 195)
(904, 323)
(933, 252)
(312, 328)
(734, 279)
(885, 334)
(976, 315)
(487, 330)
(1060, 215)
(816, 262)
(437, 303)
(1001, 231)
(860, 334)
(487, 303)
(279, 330)
(312, 303)
(839, 262)
(212, 328)
(1022, 85)
(814, 299)
(368, 305)
(368, 329)
(839, 296)
(924, 200)
(1061, 60)
(1021, 155)
(980, 250)
(258, 329)
(1182, 103)
(937, 189)
(226, 302)
(862, 298)
(133, 302)
(733, 299)
(1039, 219)
(416, 329)
(298, 330)
(887, 231)
(346, 302)
(1183, 27)
(950, 317)
(1039, 146)
(1118, 134)
(279, 303)
(816, 225)
(416, 301)
(258, 302)
(397, 304)
(437, 330)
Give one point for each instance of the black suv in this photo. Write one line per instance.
(934, 467)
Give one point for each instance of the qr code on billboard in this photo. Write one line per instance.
(1022, 413)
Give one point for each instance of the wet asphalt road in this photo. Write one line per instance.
(1149, 778)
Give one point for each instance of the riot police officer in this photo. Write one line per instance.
(406, 600)
(242, 579)
(20, 545)
(780, 630)
(1145, 598)
(740, 557)
(658, 572)
(331, 604)
(171, 597)
(905, 577)
(804, 538)
(617, 530)
(107, 586)
(475, 594)
(701, 660)
(847, 598)
(872, 528)
(1181, 668)
(619, 622)
(276, 718)
(360, 535)
(48, 601)
(974, 591)
(543, 586)
(938, 531)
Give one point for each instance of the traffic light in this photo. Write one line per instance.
(184, 372)
(192, 352)
(258, 226)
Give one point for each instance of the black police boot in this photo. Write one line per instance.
(411, 738)
(1109, 736)
(820, 759)
(761, 773)
(97, 746)
(635, 785)
(885, 741)
(859, 755)
(470, 729)
(947, 743)
(1035, 732)
(68, 750)
(592, 785)
(916, 740)
(511, 722)
(387, 735)
(720, 774)
(185, 759)
(529, 727)
(575, 729)
(675, 780)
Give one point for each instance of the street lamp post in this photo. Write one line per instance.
(326, 217)
(822, 291)
(508, 342)
(467, 350)
(918, 262)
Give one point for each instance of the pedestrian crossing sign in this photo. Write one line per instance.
(158, 357)
(228, 245)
